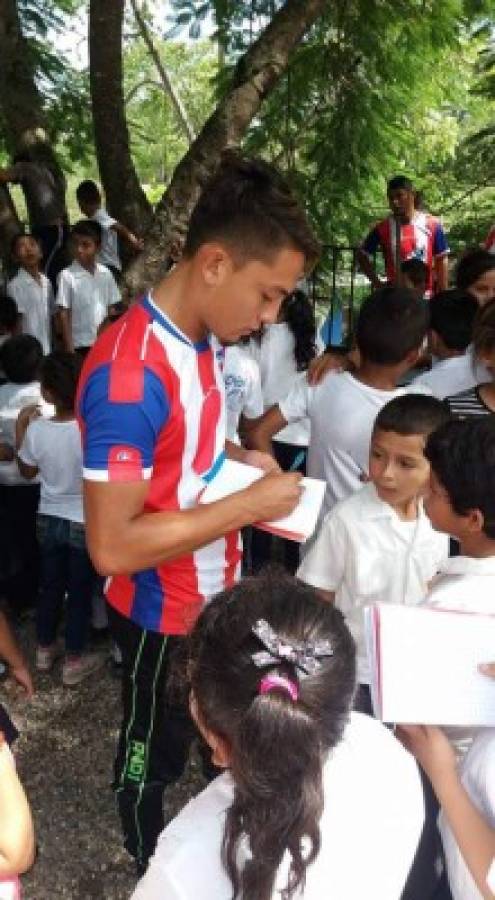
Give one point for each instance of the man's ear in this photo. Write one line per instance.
(413, 356)
(214, 262)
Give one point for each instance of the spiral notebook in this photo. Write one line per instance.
(424, 663)
(298, 526)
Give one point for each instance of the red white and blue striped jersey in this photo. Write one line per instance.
(490, 240)
(151, 406)
(422, 238)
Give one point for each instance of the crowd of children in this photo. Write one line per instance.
(318, 798)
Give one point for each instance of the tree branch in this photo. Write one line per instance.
(166, 81)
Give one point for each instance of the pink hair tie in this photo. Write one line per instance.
(279, 683)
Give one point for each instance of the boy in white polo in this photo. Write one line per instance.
(86, 290)
(378, 544)
(31, 290)
(390, 331)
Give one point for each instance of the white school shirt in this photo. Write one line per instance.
(34, 301)
(13, 398)
(477, 773)
(372, 819)
(109, 252)
(451, 376)
(242, 389)
(275, 355)
(88, 296)
(366, 554)
(466, 584)
(55, 448)
(490, 880)
(342, 412)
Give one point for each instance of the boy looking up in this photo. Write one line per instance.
(342, 409)
(31, 289)
(378, 544)
(152, 409)
(89, 200)
(86, 290)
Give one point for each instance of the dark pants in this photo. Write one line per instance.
(261, 544)
(19, 545)
(155, 736)
(65, 568)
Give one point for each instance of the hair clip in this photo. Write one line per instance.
(304, 655)
(279, 683)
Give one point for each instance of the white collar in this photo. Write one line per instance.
(371, 507)
(80, 272)
(468, 565)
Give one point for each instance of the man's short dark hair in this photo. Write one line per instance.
(472, 265)
(89, 229)
(392, 323)
(399, 183)
(412, 414)
(452, 315)
(88, 192)
(9, 314)
(416, 270)
(462, 456)
(20, 358)
(249, 207)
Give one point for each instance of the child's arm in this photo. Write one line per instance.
(11, 653)
(136, 243)
(324, 565)
(259, 436)
(64, 318)
(327, 596)
(16, 824)
(26, 415)
(474, 836)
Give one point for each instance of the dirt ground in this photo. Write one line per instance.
(64, 756)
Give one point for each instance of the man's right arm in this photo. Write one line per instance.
(123, 539)
(365, 254)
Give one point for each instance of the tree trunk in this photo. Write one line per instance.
(255, 75)
(125, 198)
(21, 107)
(9, 222)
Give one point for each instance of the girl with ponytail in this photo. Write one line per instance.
(317, 802)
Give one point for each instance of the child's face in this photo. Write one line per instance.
(88, 207)
(28, 252)
(483, 289)
(439, 509)
(84, 250)
(398, 468)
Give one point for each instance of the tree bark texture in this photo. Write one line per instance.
(9, 222)
(21, 108)
(255, 75)
(126, 199)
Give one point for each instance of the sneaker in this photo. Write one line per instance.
(46, 656)
(77, 668)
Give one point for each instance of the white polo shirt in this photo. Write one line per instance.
(372, 819)
(88, 296)
(109, 253)
(342, 411)
(366, 554)
(466, 584)
(451, 376)
(34, 300)
(242, 389)
(477, 774)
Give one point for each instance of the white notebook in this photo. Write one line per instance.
(424, 663)
(298, 526)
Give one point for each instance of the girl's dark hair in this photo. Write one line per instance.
(473, 264)
(484, 330)
(58, 374)
(462, 456)
(298, 313)
(249, 206)
(277, 745)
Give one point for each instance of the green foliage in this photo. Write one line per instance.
(158, 142)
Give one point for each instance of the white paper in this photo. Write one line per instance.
(298, 526)
(425, 665)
